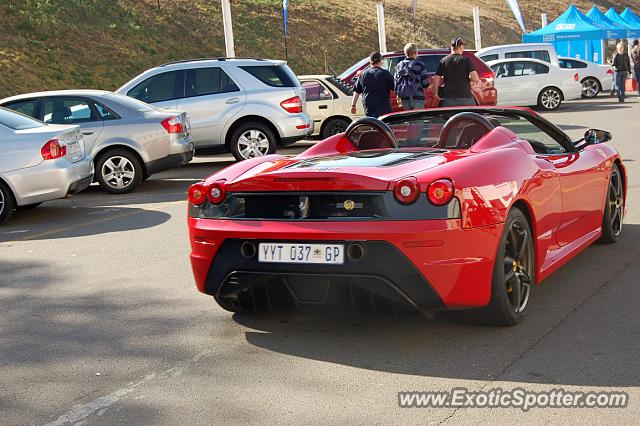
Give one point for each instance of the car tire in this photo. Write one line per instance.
(333, 126)
(7, 204)
(590, 87)
(513, 273)
(613, 213)
(549, 99)
(119, 171)
(252, 140)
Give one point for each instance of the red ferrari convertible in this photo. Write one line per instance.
(453, 208)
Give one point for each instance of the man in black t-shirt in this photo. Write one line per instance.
(458, 73)
(375, 84)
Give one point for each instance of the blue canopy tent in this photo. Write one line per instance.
(632, 30)
(572, 34)
(631, 18)
(614, 30)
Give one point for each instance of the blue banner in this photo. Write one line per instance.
(515, 8)
(285, 3)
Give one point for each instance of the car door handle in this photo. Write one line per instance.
(232, 101)
(88, 132)
(323, 107)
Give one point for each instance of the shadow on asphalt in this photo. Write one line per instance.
(78, 222)
(581, 329)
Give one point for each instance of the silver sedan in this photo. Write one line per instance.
(128, 139)
(39, 162)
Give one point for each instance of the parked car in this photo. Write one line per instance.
(246, 106)
(542, 51)
(448, 208)
(484, 92)
(594, 78)
(39, 162)
(128, 139)
(527, 82)
(329, 104)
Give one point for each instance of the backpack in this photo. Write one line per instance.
(407, 81)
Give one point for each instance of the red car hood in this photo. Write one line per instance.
(361, 170)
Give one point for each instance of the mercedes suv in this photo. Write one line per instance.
(246, 106)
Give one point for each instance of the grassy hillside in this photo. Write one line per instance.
(53, 44)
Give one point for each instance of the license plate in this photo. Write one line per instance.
(73, 148)
(332, 254)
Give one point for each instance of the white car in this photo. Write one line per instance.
(595, 78)
(39, 162)
(527, 82)
(329, 104)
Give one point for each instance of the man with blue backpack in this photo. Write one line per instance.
(411, 80)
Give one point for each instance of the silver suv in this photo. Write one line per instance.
(246, 106)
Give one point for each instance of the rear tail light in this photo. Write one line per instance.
(292, 105)
(197, 193)
(610, 71)
(173, 125)
(216, 193)
(487, 75)
(407, 190)
(440, 192)
(200, 192)
(576, 77)
(52, 150)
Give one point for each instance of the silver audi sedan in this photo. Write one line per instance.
(39, 162)
(128, 139)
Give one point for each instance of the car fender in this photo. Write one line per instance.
(114, 143)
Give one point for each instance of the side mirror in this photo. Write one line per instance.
(596, 136)
(593, 137)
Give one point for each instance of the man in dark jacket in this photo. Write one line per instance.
(458, 73)
(375, 84)
(635, 57)
(411, 80)
(622, 67)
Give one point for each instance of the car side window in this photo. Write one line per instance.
(501, 70)
(105, 113)
(208, 81)
(26, 107)
(158, 88)
(523, 68)
(577, 64)
(67, 111)
(542, 55)
(488, 58)
(541, 141)
(542, 69)
(316, 91)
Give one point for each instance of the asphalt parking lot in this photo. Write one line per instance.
(101, 323)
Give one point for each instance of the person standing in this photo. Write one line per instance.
(458, 73)
(635, 57)
(375, 84)
(411, 80)
(622, 67)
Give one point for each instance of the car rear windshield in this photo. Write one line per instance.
(353, 68)
(129, 102)
(16, 121)
(273, 75)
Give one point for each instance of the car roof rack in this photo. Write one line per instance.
(218, 58)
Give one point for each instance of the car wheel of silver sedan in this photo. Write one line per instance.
(549, 99)
(590, 87)
(7, 205)
(252, 140)
(118, 171)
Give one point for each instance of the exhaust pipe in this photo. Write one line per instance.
(356, 251)
(248, 249)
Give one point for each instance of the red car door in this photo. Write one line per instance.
(583, 184)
